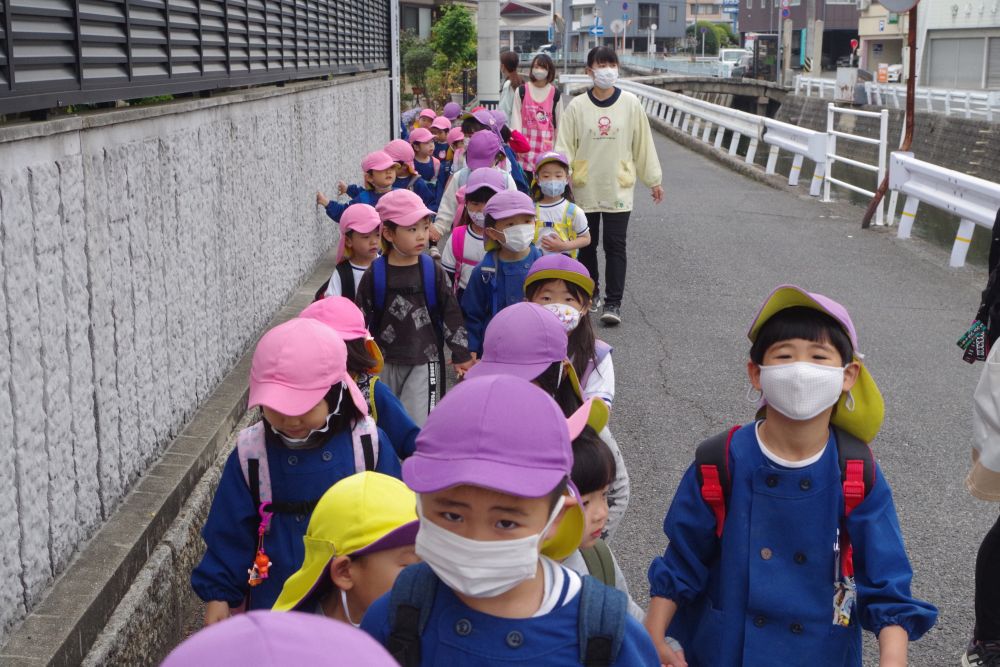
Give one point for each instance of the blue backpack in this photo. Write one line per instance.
(600, 625)
(428, 281)
(516, 172)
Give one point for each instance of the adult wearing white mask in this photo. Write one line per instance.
(536, 111)
(606, 136)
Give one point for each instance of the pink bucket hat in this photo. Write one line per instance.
(340, 314)
(452, 110)
(403, 207)
(510, 203)
(428, 113)
(360, 218)
(295, 365)
(486, 177)
(400, 150)
(483, 149)
(441, 123)
(267, 639)
(420, 135)
(455, 134)
(343, 316)
(376, 161)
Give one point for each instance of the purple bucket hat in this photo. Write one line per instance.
(497, 432)
(509, 203)
(499, 116)
(522, 340)
(558, 265)
(452, 110)
(483, 149)
(270, 639)
(485, 118)
(486, 177)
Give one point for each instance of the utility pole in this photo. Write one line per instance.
(807, 52)
(488, 50)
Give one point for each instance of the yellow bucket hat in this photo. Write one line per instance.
(360, 514)
(865, 420)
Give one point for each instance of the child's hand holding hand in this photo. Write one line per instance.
(552, 243)
(341, 188)
(215, 611)
(435, 234)
(321, 199)
(668, 656)
(460, 369)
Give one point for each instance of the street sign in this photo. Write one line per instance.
(786, 12)
(597, 31)
(854, 44)
(624, 17)
(704, 30)
(552, 32)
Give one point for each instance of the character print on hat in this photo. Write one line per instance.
(421, 318)
(400, 308)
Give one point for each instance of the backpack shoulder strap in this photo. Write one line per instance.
(413, 182)
(857, 469)
(600, 563)
(379, 282)
(428, 274)
(601, 623)
(522, 91)
(364, 438)
(712, 467)
(410, 603)
(251, 448)
(346, 273)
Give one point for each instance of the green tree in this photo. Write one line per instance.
(454, 36)
(416, 62)
(711, 37)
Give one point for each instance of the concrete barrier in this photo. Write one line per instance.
(142, 251)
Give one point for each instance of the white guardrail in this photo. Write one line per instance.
(974, 200)
(963, 103)
(832, 111)
(700, 119)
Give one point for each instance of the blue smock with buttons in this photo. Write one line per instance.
(230, 532)
(493, 285)
(763, 595)
(458, 635)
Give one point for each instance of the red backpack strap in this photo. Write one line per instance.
(857, 476)
(712, 467)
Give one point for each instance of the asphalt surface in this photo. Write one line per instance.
(700, 265)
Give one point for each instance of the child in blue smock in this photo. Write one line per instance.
(315, 431)
(498, 280)
(378, 171)
(810, 551)
(364, 363)
(496, 515)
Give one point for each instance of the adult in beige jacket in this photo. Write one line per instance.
(606, 137)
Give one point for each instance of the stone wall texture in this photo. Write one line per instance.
(141, 252)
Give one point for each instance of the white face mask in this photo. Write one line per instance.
(801, 390)
(605, 77)
(553, 188)
(539, 74)
(347, 612)
(518, 237)
(477, 568)
(311, 439)
(478, 217)
(568, 316)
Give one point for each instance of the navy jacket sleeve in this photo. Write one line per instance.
(353, 190)
(637, 648)
(376, 620)
(230, 535)
(681, 573)
(388, 462)
(476, 304)
(881, 568)
(335, 209)
(395, 421)
(421, 188)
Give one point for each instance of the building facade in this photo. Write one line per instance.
(959, 44)
(646, 26)
(883, 38)
(840, 25)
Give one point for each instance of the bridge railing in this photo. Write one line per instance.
(699, 119)
(832, 157)
(974, 200)
(963, 103)
(683, 66)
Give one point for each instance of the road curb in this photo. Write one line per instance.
(137, 560)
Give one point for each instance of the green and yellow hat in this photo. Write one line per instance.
(361, 514)
(863, 421)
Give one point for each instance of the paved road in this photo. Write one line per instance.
(701, 264)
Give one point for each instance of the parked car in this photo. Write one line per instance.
(743, 67)
(895, 73)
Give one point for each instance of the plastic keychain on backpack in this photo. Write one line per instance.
(261, 563)
(974, 343)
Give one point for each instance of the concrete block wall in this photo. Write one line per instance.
(141, 251)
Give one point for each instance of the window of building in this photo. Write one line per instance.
(409, 19)
(763, 4)
(649, 14)
(749, 4)
(993, 64)
(672, 13)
